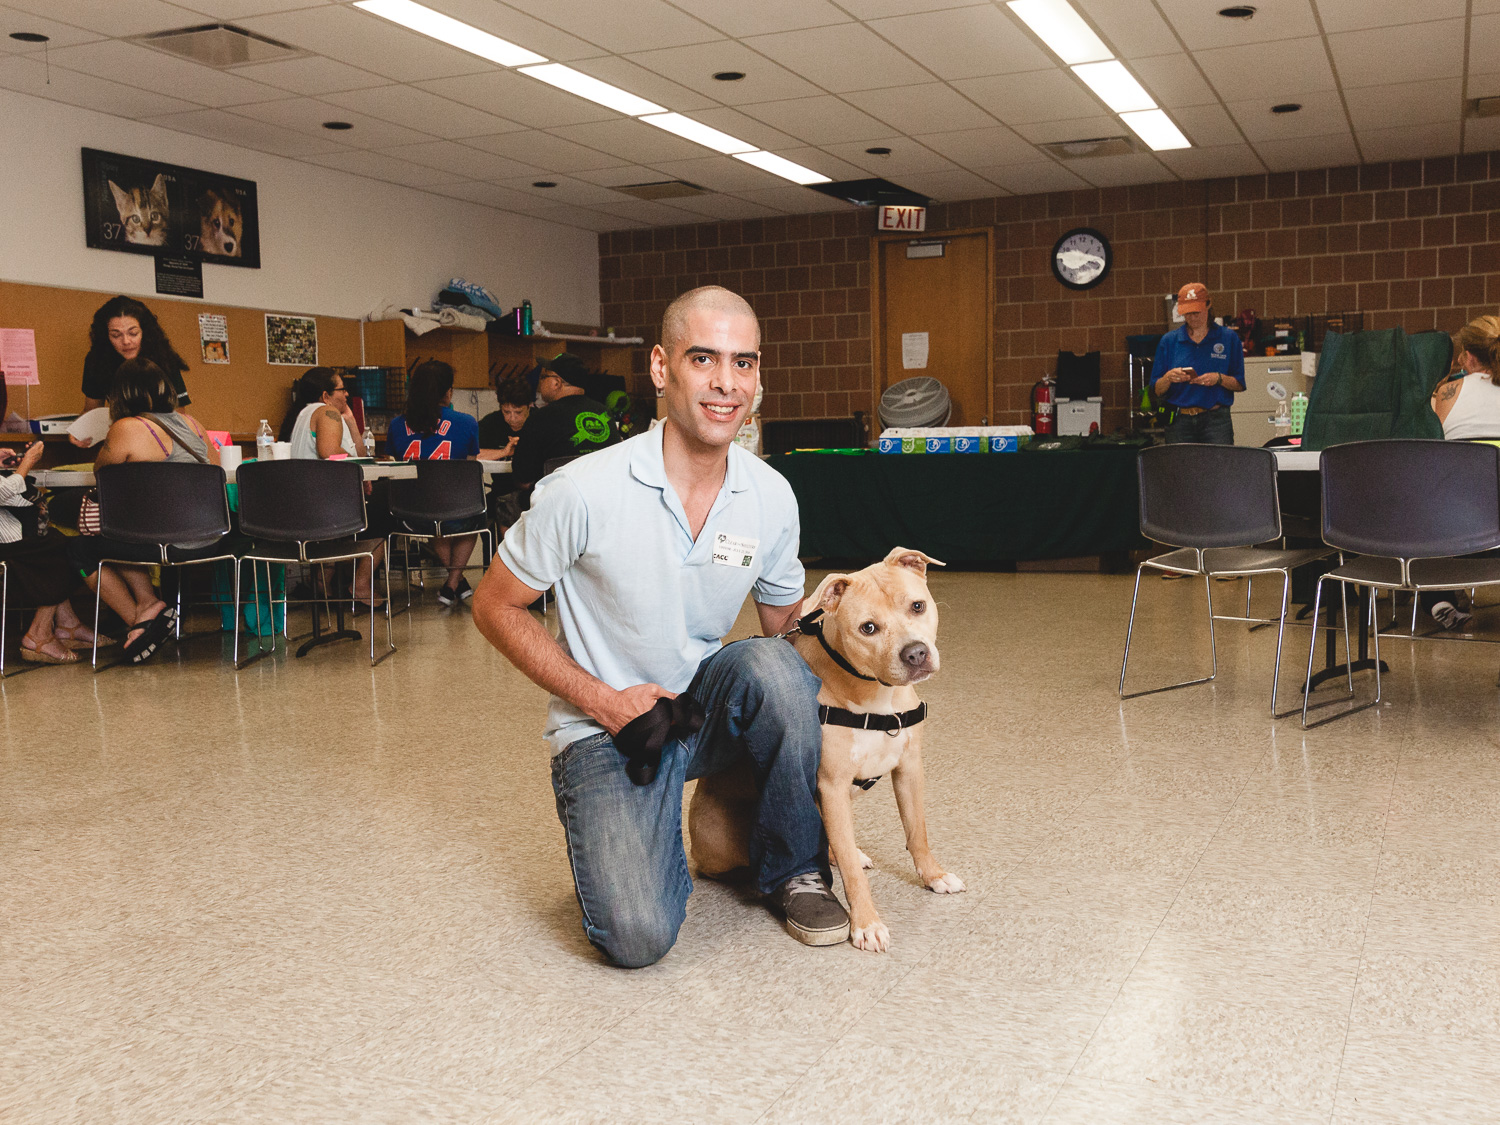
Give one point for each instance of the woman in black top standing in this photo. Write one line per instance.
(124, 328)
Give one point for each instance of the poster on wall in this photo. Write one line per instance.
(18, 357)
(139, 206)
(291, 340)
(213, 337)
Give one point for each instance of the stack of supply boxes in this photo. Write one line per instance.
(954, 439)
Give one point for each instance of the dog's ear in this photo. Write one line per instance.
(912, 560)
(828, 594)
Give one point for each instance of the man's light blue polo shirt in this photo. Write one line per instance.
(638, 599)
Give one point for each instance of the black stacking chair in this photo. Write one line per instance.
(441, 491)
(309, 512)
(1406, 507)
(1214, 503)
(179, 510)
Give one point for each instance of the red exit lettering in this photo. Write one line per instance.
(903, 218)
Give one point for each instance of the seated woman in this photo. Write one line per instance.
(499, 432)
(144, 426)
(123, 329)
(431, 430)
(320, 425)
(37, 569)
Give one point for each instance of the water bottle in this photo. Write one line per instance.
(1299, 412)
(264, 439)
(369, 438)
(525, 318)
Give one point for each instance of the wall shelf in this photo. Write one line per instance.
(473, 354)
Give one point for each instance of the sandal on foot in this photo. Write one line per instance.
(32, 653)
(69, 638)
(153, 632)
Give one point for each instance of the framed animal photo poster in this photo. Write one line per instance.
(139, 206)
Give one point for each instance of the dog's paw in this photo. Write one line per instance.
(874, 938)
(864, 861)
(946, 884)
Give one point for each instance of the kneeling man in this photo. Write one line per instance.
(650, 547)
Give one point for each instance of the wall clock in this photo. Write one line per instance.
(1081, 258)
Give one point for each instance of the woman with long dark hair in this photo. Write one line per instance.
(124, 328)
(431, 430)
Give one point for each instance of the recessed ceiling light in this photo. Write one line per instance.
(1062, 29)
(1156, 129)
(878, 150)
(780, 166)
(1116, 86)
(448, 30)
(544, 183)
(30, 36)
(1286, 107)
(698, 133)
(1237, 12)
(585, 86)
(337, 126)
(729, 75)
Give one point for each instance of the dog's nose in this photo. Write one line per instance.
(914, 655)
(229, 245)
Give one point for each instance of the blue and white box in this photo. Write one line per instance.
(968, 443)
(1004, 443)
(939, 444)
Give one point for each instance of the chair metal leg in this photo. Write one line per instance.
(1375, 641)
(1129, 628)
(98, 594)
(1249, 586)
(4, 602)
(1213, 643)
(1286, 590)
(1348, 651)
(1312, 649)
(1213, 646)
(235, 619)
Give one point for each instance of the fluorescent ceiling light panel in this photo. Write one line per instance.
(576, 82)
(448, 30)
(1062, 29)
(1156, 129)
(779, 166)
(1116, 86)
(698, 133)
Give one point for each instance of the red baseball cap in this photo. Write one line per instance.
(1192, 297)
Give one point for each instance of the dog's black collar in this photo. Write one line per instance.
(810, 626)
(861, 720)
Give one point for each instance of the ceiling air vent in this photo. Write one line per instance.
(873, 192)
(1090, 147)
(1484, 107)
(663, 189)
(220, 45)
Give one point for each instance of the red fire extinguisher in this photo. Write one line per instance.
(1043, 418)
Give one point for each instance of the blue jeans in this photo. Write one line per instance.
(1212, 427)
(625, 840)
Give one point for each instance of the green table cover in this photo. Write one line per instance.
(966, 508)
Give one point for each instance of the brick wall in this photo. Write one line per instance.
(1414, 243)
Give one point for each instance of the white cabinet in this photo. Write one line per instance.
(1254, 406)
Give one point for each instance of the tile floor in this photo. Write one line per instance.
(317, 892)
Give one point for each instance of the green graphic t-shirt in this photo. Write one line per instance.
(568, 427)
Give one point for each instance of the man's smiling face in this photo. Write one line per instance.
(709, 375)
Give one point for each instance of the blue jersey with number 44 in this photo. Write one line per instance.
(455, 439)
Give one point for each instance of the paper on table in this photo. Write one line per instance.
(91, 426)
(18, 357)
(913, 350)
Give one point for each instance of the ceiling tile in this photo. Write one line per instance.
(543, 150)
(518, 98)
(1320, 113)
(725, 207)
(947, 186)
(574, 192)
(632, 141)
(464, 162)
(1406, 103)
(351, 36)
(490, 195)
(719, 173)
(622, 28)
(964, 42)
(1354, 15)
(1207, 126)
(649, 211)
(794, 200)
(1042, 95)
(746, 128)
(513, 23)
(231, 128)
(1073, 129)
(879, 9)
(29, 76)
(1484, 85)
(627, 75)
(981, 148)
(1029, 179)
(929, 108)
(117, 17)
(822, 120)
(1297, 66)
(906, 156)
(1409, 142)
(423, 111)
(695, 67)
(308, 114)
(843, 58)
(239, 9)
(585, 218)
(735, 17)
(312, 75)
(1119, 171)
(1331, 151)
(1482, 32)
(1213, 163)
(1134, 28)
(378, 166)
(1201, 26)
(131, 65)
(836, 168)
(1482, 134)
(1413, 53)
(619, 174)
(61, 34)
(1174, 80)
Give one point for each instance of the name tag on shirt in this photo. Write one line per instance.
(734, 550)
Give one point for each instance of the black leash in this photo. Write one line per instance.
(812, 627)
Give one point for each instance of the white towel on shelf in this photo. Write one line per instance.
(450, 317)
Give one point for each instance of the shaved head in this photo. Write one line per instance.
(707, 298)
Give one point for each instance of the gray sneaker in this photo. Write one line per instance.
(814, 916)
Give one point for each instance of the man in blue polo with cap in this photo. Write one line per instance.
(1198, 369)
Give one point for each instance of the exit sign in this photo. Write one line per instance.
(903, 218)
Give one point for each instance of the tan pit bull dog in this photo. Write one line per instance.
(875, 637)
